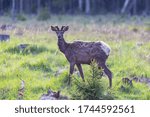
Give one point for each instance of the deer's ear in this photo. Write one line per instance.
(53, 28)
(66, 28)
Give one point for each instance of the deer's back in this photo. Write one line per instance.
(84, 52)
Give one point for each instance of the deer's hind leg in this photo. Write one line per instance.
(107, 72)
(81, 71)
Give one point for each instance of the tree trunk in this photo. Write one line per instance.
(27, 6)
(71, 7)
(13, 12)
(147, 3)
(49, 5)
(38, 6)
(80, 5)
(87, 6)
(1, 7)
(128, 7)
(134, 7)
(126, 3)
(102, 6)
(21, 6)
(118, 6)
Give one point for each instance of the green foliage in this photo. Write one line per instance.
(21, 17)
(95, 72)
(4, 93)
(43, 15)
(30, 49)
(96, 6)
(38, 63)
(93, 88)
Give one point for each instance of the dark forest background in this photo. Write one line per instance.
(132, 7)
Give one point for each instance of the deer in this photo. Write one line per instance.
(82, 52)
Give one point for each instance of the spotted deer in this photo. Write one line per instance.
(80, 52)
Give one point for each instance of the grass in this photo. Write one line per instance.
(38, 64)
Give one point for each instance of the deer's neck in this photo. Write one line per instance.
(62, 44)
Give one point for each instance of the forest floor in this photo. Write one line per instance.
(42, 66)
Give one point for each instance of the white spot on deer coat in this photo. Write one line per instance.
(106, 48)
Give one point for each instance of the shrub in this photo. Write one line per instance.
(21, 17)
(92, 88)
(89, 90)
(44, 14)
(95, 72)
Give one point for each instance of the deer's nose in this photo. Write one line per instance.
(59, 36)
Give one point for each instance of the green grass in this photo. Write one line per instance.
(38, 64)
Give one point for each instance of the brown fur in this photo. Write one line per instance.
(80, 52)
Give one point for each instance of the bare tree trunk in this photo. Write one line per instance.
(118, 6)
(38, 6)
(1, 7)
(13, 12)
(87, 6)
(21, 6)
(71, 7)
(102, 6)
(114, 6)
(147, 3)
(27, 6)
(80, 4)
(49, 5)
(126, 3)
(134, 7)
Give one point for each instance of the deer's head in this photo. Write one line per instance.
(60, 31)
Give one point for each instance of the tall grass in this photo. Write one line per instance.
(38, 64)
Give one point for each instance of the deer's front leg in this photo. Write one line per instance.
(80, 70)
(71, 71)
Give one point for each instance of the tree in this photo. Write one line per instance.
(13, 12)
(1, 7)
(21, 7)
(38, 6)
(126, 3)
(71, 6)
(134, 7)
(80, 5)
(49, 5)
(87, 6)
(147, 6)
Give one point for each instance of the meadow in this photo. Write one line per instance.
(42, 66)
